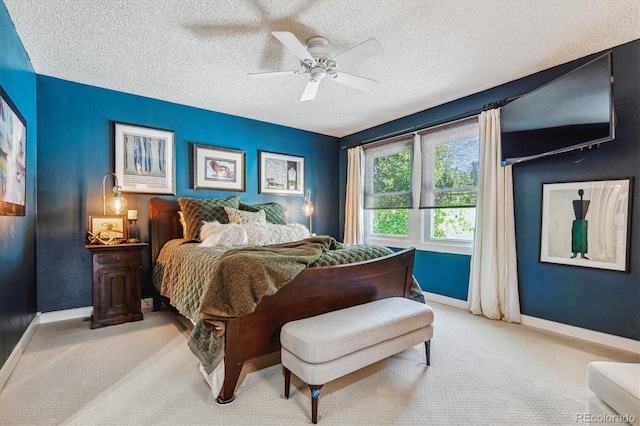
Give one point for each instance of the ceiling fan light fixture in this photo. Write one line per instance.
(318, 73)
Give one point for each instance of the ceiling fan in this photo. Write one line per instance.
(316, 60)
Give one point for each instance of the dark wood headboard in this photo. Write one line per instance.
(165, 224)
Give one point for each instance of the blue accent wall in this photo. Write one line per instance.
(18, 233)
(599, 300)
(436, 271)
(76, 150)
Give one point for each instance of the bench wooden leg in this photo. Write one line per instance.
(427, 345)
(287, 381)
(315, 395)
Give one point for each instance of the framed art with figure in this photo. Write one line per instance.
(220, 169)
(280, 174)
(145, 160)
(587, 223)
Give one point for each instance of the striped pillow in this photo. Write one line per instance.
(239, 216)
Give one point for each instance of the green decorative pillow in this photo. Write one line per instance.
(197, 210)
(275, 212)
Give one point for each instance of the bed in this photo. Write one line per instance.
(315, 290)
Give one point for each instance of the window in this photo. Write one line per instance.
(445, 175)
(388, 186)
(449, 184)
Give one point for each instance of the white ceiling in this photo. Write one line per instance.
(199, 52)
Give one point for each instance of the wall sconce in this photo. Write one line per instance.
(116, 204)
(307, 209)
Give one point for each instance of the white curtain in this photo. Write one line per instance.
(354, 214)
(493, 281)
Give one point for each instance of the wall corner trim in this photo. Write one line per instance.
(12, 361)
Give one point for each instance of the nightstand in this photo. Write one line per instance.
(117, 286)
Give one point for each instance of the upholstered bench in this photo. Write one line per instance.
(328, 346)
(617, 392)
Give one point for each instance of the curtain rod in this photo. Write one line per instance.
(442, 120)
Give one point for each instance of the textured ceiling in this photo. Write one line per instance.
(199, 52)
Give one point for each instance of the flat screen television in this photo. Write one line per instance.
(571, 112)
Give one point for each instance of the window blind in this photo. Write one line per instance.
(450, 161)
(387, 174)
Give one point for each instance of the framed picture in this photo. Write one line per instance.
(221, 169)
(13, 158)
(280, 174)
(587, 223)
(107, 229)
(145, 159)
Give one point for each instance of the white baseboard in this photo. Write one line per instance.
(66, 314)
(582, 333)
(14, 357)
(445, 300)
(555, 327)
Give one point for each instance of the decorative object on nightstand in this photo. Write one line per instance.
(116, 204)
(108, 229)
(307, 209)
(132, 217)
(117, 283)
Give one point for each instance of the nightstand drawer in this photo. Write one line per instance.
(118, 258)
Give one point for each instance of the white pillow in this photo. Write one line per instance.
(242, 216)
(215, 234)
(254, 234)
(269, 233)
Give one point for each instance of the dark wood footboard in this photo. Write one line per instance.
(314, 291)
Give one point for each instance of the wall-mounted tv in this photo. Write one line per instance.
(571, 112)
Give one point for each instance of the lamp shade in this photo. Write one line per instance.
(116, 204)
(307, 207)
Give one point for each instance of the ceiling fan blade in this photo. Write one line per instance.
(359, 53)
(292, 43)
(310, 90)
(360, 83)
(271, 74)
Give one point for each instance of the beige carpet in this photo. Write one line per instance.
(483, 372)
